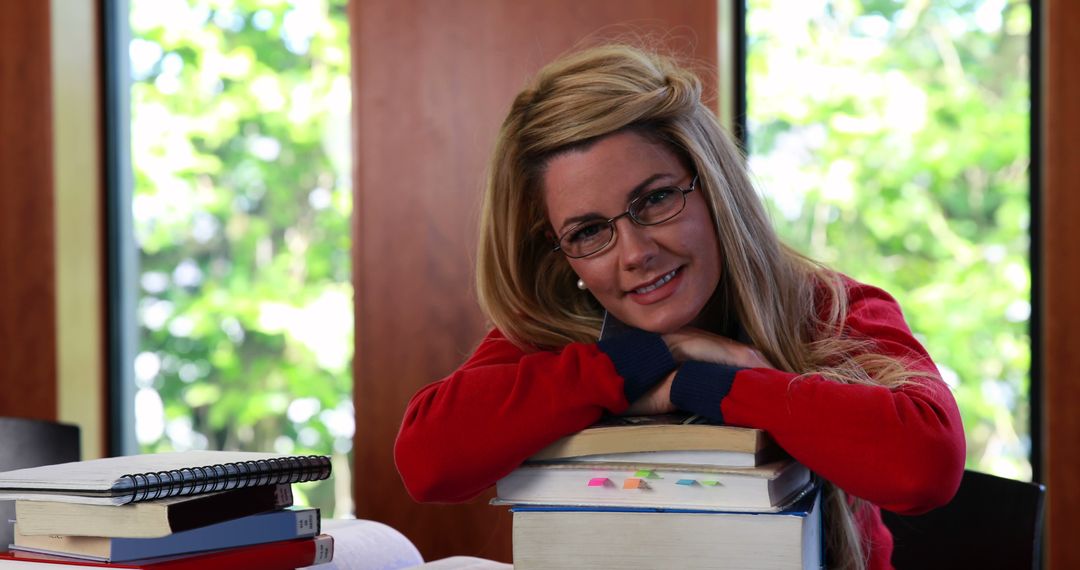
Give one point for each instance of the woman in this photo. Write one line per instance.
(612, 187)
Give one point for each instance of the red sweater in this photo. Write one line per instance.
(901, 449)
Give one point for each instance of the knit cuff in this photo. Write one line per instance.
(641, 358)
(700, 387)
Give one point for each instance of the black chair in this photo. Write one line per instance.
(32, 443)
(992, 522)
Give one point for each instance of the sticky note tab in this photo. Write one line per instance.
(710, 483)
(598, 481)
(687, 482)
(646, 474)
(635, 483)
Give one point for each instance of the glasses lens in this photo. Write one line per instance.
(586, 238)
(658, 206)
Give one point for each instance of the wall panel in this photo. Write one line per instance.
(432, 81)
(1061, 281)
(27, 269)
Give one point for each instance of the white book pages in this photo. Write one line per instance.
(368, 545)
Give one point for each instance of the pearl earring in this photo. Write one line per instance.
(581, 284)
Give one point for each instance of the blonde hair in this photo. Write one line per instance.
(790, 307)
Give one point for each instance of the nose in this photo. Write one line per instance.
(636, 246)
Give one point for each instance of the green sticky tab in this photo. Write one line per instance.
(710, 483)
(646, 474)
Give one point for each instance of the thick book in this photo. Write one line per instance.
(281, 555)
(668, 438)
(768, 487)
(149, 519)
(625, 539)
(287, 524)
(134, 478)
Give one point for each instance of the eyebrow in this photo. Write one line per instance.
(630, 196)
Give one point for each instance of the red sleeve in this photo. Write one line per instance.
(464, 432)
(902, 449)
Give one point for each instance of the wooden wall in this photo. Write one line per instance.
(27, 272)
(432, 81)
(1061, 279)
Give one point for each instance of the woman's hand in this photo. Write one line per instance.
(695, 344)
(689, 343)
(656, 401)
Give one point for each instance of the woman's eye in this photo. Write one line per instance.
(659, 196)
(587, 232)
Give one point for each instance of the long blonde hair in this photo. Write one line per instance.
(790, 307)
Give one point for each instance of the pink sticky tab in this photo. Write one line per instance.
(634, 483)
(598, 481)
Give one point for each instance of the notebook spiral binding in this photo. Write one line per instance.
(224, 477)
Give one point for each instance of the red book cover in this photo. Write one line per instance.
(284, 555)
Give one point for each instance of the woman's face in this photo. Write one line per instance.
(656, 278)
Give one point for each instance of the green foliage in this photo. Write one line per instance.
(242, 206)
(891, 141)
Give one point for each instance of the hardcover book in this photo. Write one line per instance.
(626, 539)
(149, 519)
(281, 555)
(768, 487)
(287, 524)
(668, 438)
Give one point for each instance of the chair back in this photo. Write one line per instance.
(992, 522)
(32, 443)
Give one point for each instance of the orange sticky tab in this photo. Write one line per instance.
(598, 481)
(634, 483)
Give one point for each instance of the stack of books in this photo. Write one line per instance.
(176, 511)
(658, 492)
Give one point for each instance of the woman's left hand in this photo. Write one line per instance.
(689, 343)
(656, 401)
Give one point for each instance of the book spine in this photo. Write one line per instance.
(221, 477)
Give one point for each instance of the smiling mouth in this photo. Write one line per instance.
(657, 284)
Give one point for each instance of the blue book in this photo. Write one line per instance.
(630, 537)
(294, 522)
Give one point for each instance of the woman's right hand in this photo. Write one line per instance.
(689, 343)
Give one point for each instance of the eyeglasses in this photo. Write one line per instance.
(656, 207)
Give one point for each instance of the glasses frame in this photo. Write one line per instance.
(627, 214)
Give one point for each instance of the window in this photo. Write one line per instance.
(891, 140)
(241, 200)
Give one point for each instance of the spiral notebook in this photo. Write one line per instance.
(134, 478)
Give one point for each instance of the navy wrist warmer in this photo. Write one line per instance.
(641, 358)
(700, 387)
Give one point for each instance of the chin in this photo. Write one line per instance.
(661, 324)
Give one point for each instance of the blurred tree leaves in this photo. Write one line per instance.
(240, 114)
(890, 138)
